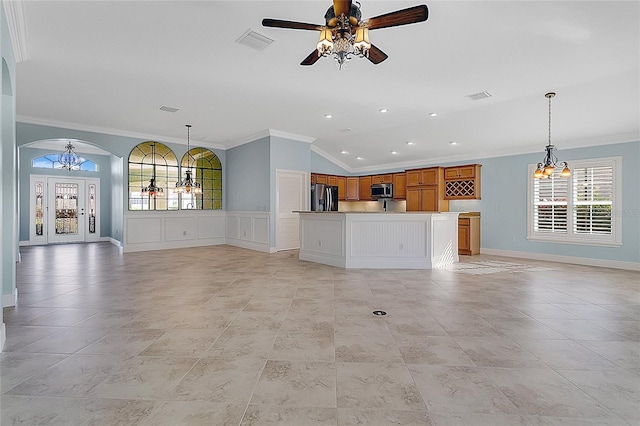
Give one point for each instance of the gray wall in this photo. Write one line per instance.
(248, 177)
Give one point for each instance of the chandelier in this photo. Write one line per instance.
(545, 169)
(187, 184)
(152, 190)
(69, 159)
(342, 42)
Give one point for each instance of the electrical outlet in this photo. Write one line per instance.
(244, 233)
(319, 243)
(401, 246)
(184, 233)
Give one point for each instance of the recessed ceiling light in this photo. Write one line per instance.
(383, 110)
(433, 114)
(394, 152)
(328, 116)
(344, 152)
(410, 143)
(453, 143)
(359, 158)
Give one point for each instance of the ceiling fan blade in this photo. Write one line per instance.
(311, 59)
(278, 23)
(376, 55)
(341, 6)
(400, 17)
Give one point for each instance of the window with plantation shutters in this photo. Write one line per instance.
(579, 209)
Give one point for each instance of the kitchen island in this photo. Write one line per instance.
(379, 240)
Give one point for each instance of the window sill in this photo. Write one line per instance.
(577, 242)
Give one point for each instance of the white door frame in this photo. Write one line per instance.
(88, 204)
(304, 197)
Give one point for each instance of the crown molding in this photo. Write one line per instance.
(291, 136)
(15, 14)
(268, 133)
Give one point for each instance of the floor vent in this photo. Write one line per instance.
(254, 40)
(478, 96)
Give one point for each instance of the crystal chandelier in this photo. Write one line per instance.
(152, 190)
(69, 159)
(545, 169)
(342, 42)
(188, 184)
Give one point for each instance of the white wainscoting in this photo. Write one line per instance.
(385, 240)
(165, 230)
(249, 230)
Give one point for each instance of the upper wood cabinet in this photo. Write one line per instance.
(322, 179)
(341, 182)
(399, 186)
(382, 178)
(430, 176)
(462, 182)
(332, 180)
(365, 188)
(314, 178)
(353, 189)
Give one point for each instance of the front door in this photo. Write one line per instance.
(64, 210)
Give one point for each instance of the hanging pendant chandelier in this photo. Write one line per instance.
(69, 159)
(152, 190)
(188, 184)
(545, 169)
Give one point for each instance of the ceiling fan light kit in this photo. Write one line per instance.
(344, 35)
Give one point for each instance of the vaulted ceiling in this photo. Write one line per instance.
(109, 66)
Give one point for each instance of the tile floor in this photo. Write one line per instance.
(237, 337)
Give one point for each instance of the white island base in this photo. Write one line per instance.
(379, 240)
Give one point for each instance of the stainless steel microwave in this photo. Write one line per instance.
(381, 190)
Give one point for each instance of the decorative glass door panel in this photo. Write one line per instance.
(66, 210)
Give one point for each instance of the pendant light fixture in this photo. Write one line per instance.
(545, 169)
(152, 190)
(69, 159)
(188, 184)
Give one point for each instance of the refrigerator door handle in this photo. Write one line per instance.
(329, 202)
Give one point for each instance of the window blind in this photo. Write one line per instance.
(592, 200)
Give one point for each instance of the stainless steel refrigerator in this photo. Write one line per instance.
(324, 198)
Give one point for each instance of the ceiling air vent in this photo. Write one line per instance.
(168, 109)
(478, 96)
(254, 40)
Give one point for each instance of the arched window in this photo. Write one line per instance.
(152, 164)
(206, 170)
(51, 162)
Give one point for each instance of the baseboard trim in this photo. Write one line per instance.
(9, 300)
(3, 336)
(250, 245)
(603, 263)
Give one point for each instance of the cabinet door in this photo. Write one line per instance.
(332, 180)
(414, 177)
(353, 188)
(365, 188)
(429, 199)
(430, 176)
(413, 199)
(464, 237)
(322, 179)
(341, 181)
(314, 178)
(387, 178)
(399, 186)
(377, 179)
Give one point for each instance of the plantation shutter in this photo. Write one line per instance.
(592, 200)
(550, 204)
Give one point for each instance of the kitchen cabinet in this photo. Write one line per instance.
(314, 178)
(382, 178)
(430, 176)
(322, 179)
(399, 186)
(332, 180)
(426, 198)
(353, 189)
(341, 182)
(462, 182)
(365, 188)
(469, 234)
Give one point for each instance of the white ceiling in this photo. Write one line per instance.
(109, 66)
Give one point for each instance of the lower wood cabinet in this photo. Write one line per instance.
(426, 199)
(469, 235)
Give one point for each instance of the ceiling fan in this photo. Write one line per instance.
(344, 35)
